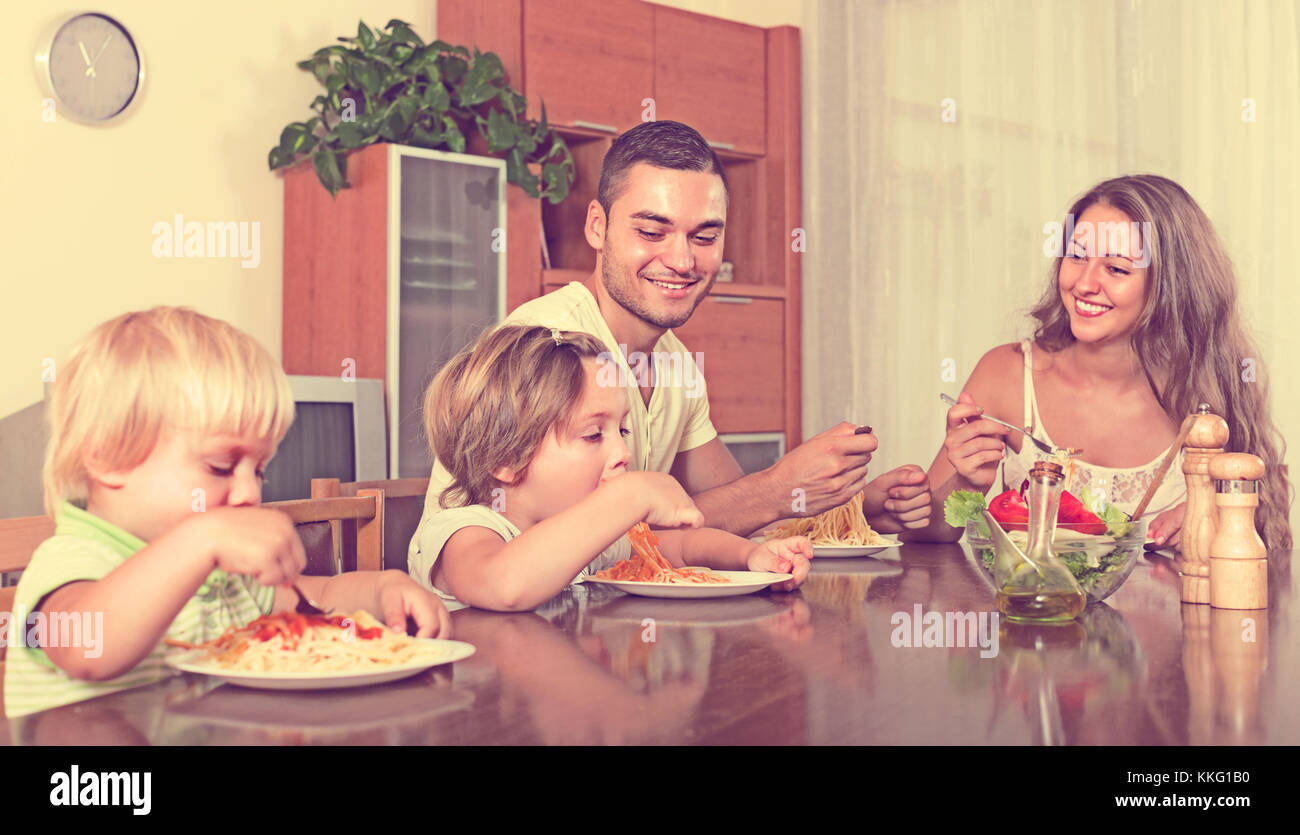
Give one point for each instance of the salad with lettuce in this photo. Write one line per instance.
(1090, 535)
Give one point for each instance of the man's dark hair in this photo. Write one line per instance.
(661, 144)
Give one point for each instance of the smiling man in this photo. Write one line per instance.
(657, 225)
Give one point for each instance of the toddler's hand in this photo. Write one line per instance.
(401, 597)
(256, 541)
(783, 556)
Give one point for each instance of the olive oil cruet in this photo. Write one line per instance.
(1034, 586)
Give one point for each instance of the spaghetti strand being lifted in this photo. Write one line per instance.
(840, 526)
(647, 565)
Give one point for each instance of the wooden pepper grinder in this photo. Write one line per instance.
(1207, 437)
(1238, 559)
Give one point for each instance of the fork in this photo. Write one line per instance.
(1045, 447)
(306, 606)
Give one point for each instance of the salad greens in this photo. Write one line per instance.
(1117, 521)
(965, 506)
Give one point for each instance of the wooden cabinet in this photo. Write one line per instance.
(738, 343)
(392, 277)
(593, 63)
(711, 74)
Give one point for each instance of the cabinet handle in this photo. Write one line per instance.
(578, 123)
(732, 299)
(723, 146)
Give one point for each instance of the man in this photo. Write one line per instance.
(657, 225)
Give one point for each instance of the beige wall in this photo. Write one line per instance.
(81, 201)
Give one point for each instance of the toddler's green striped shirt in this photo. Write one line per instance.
(85, 547)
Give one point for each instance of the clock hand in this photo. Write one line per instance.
(101, 51)
(84, 56)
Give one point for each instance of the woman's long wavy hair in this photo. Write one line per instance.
(1189, 339)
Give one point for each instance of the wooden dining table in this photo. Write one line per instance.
(836, 662)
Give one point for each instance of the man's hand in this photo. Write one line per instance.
(898, 500)
(830, 468)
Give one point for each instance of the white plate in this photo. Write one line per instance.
(742, 582)
(621, 608)
(834, 551)
(439, 652)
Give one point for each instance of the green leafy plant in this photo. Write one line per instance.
(388, 85)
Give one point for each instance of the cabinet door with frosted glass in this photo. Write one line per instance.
(446, 274)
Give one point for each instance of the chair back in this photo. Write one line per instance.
(330, 548)
(403, 509)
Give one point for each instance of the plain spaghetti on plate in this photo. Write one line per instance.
(288, 642)
(840, 526)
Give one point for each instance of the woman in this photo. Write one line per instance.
(1138, 325)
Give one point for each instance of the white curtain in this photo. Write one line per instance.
(941, 136)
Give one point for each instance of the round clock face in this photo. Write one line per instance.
(94, 68)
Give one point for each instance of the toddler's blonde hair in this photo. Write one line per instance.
(141, 373)
(495, 402)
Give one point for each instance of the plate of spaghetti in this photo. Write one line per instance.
(839, 532)
(648, 573)
(291, 651)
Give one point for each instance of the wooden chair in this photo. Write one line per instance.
(18, 540)
(365, 512)
(403, 509)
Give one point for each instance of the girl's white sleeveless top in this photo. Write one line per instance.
(1123, 487)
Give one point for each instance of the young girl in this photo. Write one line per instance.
(530, 424)
(1137, 326)
(161, 426)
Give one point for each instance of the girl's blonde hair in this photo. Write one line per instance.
(1190, 340)
(495, 402)
(141, 373)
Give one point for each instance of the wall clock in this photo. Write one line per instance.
(92, 68)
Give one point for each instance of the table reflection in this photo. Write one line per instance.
(829, 664)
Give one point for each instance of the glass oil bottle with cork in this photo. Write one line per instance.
(1034, 586)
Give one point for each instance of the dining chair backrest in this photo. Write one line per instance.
(18, 540)
(403, 509)
(320, 522)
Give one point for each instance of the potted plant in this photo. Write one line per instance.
(388, 85)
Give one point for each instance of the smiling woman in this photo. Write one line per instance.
(1137, 325)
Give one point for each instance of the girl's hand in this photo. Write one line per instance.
(256, 541)
(974, 446)
(1166, 527)
(667, 505)
(401, 597)
(783, 556)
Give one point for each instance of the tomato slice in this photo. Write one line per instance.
(1011, 511)
(1078, 518)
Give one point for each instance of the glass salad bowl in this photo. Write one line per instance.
(1100, 564)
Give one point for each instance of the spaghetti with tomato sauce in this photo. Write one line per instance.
(288, 642)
